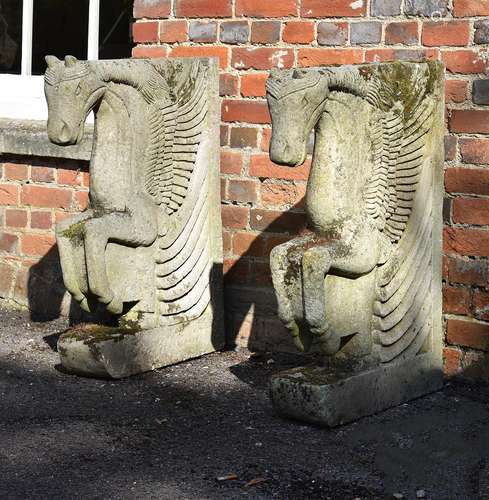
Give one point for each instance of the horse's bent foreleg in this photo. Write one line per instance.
(282, 283)
(316, 263)
(69, 237)
(116, 226)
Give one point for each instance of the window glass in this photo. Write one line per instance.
(60, 27)
(115, 29)
(10, 36)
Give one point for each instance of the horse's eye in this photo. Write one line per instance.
(78, 89)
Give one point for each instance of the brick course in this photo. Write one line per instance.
(263, 203)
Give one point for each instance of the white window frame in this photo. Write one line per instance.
(22, 96)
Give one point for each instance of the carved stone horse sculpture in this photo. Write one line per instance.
(149, 245)
(359, 280)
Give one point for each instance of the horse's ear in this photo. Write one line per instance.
(52, 61)
(70, 61)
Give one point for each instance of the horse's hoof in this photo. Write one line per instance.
(84, 305)
(329, 344)
(115, 306)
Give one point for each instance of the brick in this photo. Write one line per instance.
(447, 210)
(262, 274)
(260, 8)
(474, 150)
(384, 8)
(472, 334)
(481, 305)
(236, 271)
(234, 217)
(16, 218)
(365, 33)
(42, 174)
(15, 172)
(242, 190)
(463, 61)
(467, 180)
(203, 8)
(81, 200)
(470, 8)
(41, 220)
(36, 244)
(471, 121)
(145, 32)
(253, 84)
(8, 242)
(456, 300)
(450, 147)
(471, 211)
(265, 139)
(249, 244)
(427, 8)
(456, 90)
(203, 31)
(466, 241)
(47, 197)
(224, 135)
(452, 359)
(382, 55)
(8, 194)
(480, 92)
(245, 111)
(467, 271)
(481, 34)
(226, 242)
(261, 166)
(194, 51)
(262, 58)
(150, 51)
(69, 177)
(330, 33)
(333, 8)
(243, 137)
(265, 31)
(274, 221)
(231, 162)
(7, 276)
(152, 8)
(405, 33)
(234, 32)
(228, 84)
(173, 31)
(324, 56)
(298, 32)
(450, 33)
(280, 194)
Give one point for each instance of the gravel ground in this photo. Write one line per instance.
(174, 433)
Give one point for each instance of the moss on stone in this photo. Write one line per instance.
(92, 334)
(75, 233)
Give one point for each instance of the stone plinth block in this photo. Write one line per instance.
(148, 250)
(363, 284)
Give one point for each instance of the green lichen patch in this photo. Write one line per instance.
(93, 334)
(75, 233)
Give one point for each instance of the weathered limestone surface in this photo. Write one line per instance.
(148, 249)
(363, 284)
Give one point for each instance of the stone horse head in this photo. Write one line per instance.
(72, 91)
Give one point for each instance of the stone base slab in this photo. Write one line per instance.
(320, 396)
(96, 351)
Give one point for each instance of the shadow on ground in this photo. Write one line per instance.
(170, 434)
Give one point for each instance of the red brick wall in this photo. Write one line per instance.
(262, 202)
(35, 193)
